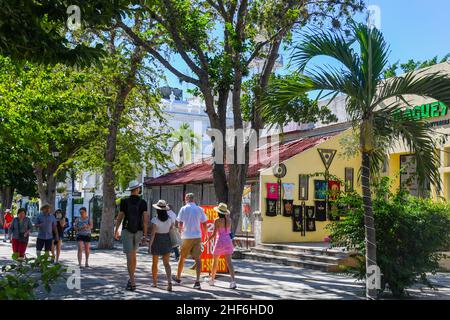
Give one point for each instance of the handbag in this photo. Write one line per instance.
(175, 238)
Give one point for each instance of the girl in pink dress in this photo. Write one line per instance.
(223, 244)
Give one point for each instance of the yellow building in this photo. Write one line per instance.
(399, 166)
(279, 229)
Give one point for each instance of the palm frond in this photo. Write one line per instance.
(435, 86)
(374, 55)
(416, 136)
(326, 43)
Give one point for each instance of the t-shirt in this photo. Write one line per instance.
(8, 219)
(192, 216)
(172, 215)
(162, 226)
(47, 223)
(134, 200)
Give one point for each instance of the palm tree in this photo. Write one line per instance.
(186, 140)
(372, 103)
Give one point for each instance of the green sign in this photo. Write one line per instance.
(426, 111)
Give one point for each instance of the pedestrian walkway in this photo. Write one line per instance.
(107, 276)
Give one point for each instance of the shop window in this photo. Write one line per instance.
(446, 157)
(409, 179)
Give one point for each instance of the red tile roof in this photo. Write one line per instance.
(200, 172)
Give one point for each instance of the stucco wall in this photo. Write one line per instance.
(279, 229)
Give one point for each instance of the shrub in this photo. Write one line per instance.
(410, 232)
(20, 279)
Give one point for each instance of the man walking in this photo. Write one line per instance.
(46, 223)
(191, 219)
(133, 213)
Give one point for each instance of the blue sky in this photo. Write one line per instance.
(417, 29)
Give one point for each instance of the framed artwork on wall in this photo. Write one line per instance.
(320, 189)
(310, 219)
(297, 219)
(271, 207)
(288, 207)
(288, 191)
(321, 211)
(303, 187)
(349, 180)
(272, 190)
(334, 187)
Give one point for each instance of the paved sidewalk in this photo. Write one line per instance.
(107, 276)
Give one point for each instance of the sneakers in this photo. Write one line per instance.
(233, 285)
(197, 285)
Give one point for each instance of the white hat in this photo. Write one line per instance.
(222, 208)
(161, 205)
(7, 210)
(134, 184)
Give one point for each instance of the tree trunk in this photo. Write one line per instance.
(371, 247)
(46, 182)
(106, 240)
(6, 194)
(236, 183)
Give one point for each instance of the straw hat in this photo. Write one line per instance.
(161, 205)
(222, 208)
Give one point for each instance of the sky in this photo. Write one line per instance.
(414, 29)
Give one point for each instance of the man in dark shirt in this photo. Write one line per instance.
(133, 213)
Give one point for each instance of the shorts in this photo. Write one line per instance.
(191, 247)
(44, 243)
(83, 238)
(131, 241)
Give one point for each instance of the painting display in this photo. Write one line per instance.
(310, 219)
(303, 187)
(349, 180)
(297, 219)
(288, 207)
(272, 190)
(321, 211)
(288, 191)
(271, 207)
(334, 187)
(320, 189)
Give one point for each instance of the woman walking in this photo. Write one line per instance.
(223, 243)
(20, 230)
(60, 225)
(160, 244)
(83, 226)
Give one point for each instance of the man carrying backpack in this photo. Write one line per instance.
(133, 213)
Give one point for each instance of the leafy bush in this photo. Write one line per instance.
(410, 232)
(21, 279)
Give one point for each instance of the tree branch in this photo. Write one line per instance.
(149, 48)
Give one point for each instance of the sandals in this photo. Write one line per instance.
(169, 287)
(130, 287)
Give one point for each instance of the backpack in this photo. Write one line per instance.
(133, 217)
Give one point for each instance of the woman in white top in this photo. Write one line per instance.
(160, 244)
